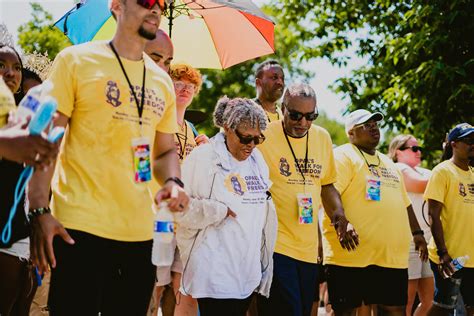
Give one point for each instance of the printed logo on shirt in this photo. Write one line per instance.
(470, 188)
(112, 92)
(284, 167)
(235, 184)
(389, 177)
(462, 189)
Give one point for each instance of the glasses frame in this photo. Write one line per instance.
(466, 140)
(148, 4)
(298, 116)
(414, 149)
(368, 125)
(184, 86)
(245, 140)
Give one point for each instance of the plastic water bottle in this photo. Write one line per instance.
(458, 263)
(33, 99)
(163, 248)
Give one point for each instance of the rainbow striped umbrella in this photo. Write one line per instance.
(205, 33)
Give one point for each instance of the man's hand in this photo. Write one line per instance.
(421, 246)
(43, 230)
(346, 233)
(201, 139)
(445, 266)
(178, 198)
(21, 147)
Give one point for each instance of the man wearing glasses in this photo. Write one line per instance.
(302, 170)
(120, 110)
(375, 201)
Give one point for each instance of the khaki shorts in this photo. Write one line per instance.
(163, 274)
(418, 269)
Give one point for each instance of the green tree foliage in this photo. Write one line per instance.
(420, 69)
(39, 35)
(335, 129)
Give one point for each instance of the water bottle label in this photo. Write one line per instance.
(31, 103)
(164, 227)
(457, 265)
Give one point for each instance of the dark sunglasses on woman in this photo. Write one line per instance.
(148, 4)
(414, 149)
(245, 140)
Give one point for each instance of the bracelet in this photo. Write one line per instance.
(441, 252)
(175, 180)
(418, 232)
(38, 211)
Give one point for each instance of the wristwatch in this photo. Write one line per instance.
(38, 211)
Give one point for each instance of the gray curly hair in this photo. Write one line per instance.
(233, 112)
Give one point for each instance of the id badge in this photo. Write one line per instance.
(141, 159)
(305, 208)
(372, 189)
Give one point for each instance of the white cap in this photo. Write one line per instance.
(361, 116)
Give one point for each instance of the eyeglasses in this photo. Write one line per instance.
(179, 85)
(467, 140)
(298, 116)
(414, 149)
(369, 125)
(148, 4)
(245, 140)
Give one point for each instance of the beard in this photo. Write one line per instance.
(146, 34)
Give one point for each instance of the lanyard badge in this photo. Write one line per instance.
(305, 208)
(372, 188)
(141, 159)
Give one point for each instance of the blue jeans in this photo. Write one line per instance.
(293, 288)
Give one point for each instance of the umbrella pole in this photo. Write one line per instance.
(170, 20)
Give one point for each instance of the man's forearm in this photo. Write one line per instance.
(438, 235)
(414, 225)
(332, 202)
(166, 166)
(39, 188)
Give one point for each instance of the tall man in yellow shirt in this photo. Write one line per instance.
(270, 83)
(376, 202)
(117, 103)
(301, 163)
(450, 196)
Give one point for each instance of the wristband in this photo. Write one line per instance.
(37, 212)
(175, 180)
(418, 232)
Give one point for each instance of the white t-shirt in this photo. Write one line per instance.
(226, 264)
(417, 200)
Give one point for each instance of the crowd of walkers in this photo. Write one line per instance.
(264, 210)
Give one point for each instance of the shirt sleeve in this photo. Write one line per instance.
(64, 82)
(168, 123)
(437, 187)
(331, 175)
(344, 171)
(406, 198)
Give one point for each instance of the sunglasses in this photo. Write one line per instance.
(467, 140)
(414, 149)
(298, 116)
(369, 125)
(148, 4)
(245, 140)
(179, 85)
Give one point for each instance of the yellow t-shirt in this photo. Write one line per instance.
(96, 191)
(383, 226)
(272, 117)
(184, 141)
(7, 102)
(454, 188)
(298, 241)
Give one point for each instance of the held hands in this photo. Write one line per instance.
(178, 198)
(421, 246)
(348, 237)
(201, 139)
(43, 230)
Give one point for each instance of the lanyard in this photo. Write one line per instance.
(182, 147)
(293, 153)
(139, 105)
(371, 166)
(257, 100)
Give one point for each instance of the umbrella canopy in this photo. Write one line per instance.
(205, 33)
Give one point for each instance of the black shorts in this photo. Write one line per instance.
(101, 275)
(349, 287)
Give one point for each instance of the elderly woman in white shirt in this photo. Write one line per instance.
(227, 236)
